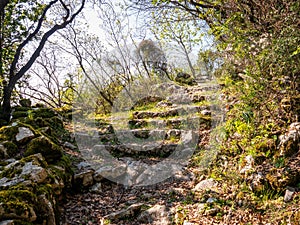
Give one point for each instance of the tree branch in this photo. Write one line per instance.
(29, 38)
(42, 43)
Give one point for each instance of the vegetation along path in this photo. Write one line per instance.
(193, 193)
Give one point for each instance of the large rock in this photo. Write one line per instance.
(12, 207)
(157, 214)
(206, 184)
(185, 78)
(24, 134)
(28, 189)
(48, 207)
(290, 141)
(33, 172)
(85, 178)
(8, 150)
(111, 172)
(130, 212)
(46, 147)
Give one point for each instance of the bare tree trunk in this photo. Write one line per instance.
(14, 76)
(6, 107)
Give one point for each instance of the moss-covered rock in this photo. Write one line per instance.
(51, 151)
(29, 189)
(43, 112)
(22, 108)
(185, 78)
(24, 135)
(17, 204)
(8, 150)
(19, 114)
(8, 133)
(290, 141)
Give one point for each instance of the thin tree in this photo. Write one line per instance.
(39, 31)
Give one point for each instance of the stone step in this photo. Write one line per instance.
(151, 134)
(137, 135)
(131, 172)
(170, 123)
(174, 112)
(149, 148)
(132, 145)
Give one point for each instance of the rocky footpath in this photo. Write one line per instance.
(137, 167)
(120, 161)
(142, 168)
(157, 136)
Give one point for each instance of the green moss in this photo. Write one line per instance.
(18, 202)
(20, 209)
(39, 161)
(12, 171)
(11, 148)
(8, 133)
(36, 123)
(68, 172)
(19, 114)
(43, 112)
(44, 189)
(55, 122)
(22, 108)
(17, 195)
(3, 163)
(50, 151)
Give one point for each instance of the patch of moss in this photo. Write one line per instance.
(3, 163)
(36, 160)
(17, 195)
(19, 114)
(11, 148)
(22, 108)
(36, 123)
(16, 210)
(18, 203)
(43, 112)
(12, 171)
(55, 122)
(8, 133)
(50, 151)
(67, 173)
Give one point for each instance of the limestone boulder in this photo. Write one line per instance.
(46, 147)
(158, 214)
(290, 141)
